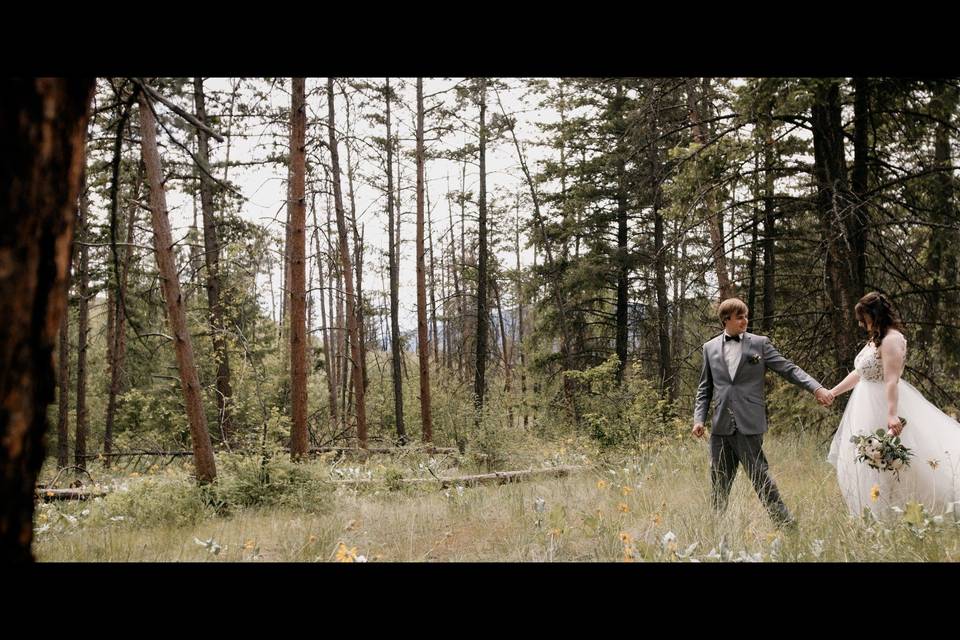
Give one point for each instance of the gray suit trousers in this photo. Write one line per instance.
(726, 452)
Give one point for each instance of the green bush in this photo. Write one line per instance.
(272, 479)
(157, 501)
(628, 414)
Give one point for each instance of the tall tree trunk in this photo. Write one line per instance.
(664, 358)
(234, 87)
(769, 228)
(565, 334)
(458, 299)
(211, 245)
(42, 132)
(63, 386)
(118, 344)
(358, 253)
(297, 252)
(752, 271)
(483, 320)
(946, 241)
(523, 364)
(163, 242)
(859, 219)
(336, 311)
(462, 355)
(423, 347)
(83, 328)
(714, 222)
(506, 353)
(433, 291)
(347, 274)
(622, 255)
(325, 331)
(395, 350)
(834, 206)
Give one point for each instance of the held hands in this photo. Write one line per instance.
(698, 430)
(824, 397)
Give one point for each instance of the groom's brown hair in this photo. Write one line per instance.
(730, 308)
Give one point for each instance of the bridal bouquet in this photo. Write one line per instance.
(882, 451)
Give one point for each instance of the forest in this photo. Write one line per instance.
(418, 319)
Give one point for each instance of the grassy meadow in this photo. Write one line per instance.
(647, 505)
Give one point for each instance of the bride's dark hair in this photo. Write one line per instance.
(883, 316)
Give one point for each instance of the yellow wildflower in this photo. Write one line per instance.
(874, 492)
(344, 554)
(556, 532)
(623, 508)
(312, 539)
(657, 520)
(625, 538)
(601, 484)
(627, 490)
(248, 545)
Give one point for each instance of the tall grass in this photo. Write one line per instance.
(647, 505)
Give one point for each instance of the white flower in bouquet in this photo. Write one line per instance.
(882, 450)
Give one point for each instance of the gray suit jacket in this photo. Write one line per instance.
(742, 397)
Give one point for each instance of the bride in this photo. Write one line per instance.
(880, 398)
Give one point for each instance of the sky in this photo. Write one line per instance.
(264, 186)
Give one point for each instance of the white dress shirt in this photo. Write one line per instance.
(731, 353)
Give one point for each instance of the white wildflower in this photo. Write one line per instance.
(817, 548)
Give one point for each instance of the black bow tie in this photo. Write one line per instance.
(726, 337)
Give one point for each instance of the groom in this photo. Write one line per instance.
(734, 364)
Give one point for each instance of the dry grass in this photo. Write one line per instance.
(648, 506)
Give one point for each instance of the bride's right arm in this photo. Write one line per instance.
(848, 383)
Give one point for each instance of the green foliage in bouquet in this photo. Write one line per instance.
(882, 451)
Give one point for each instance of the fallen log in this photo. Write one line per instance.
(497, 477)
(370, 450)
(78, 493)
(121, 454)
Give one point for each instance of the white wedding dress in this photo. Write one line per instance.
(933, 475)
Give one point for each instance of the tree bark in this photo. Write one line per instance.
(660, 264)
(297, 267)
(83, 329)
(358, 253)
(423, 347)
(395, 350)
(63, 386)
(435, 340)
(483, 320)
(43, 124)
(834, 207)
(347, 274)
(769, 228)
(211, 245)
(325, 331)
(523, 364)
(118, 360)
(622, 254)
(946, 243)
(189, 381)
(714, 221)
(859, 177)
